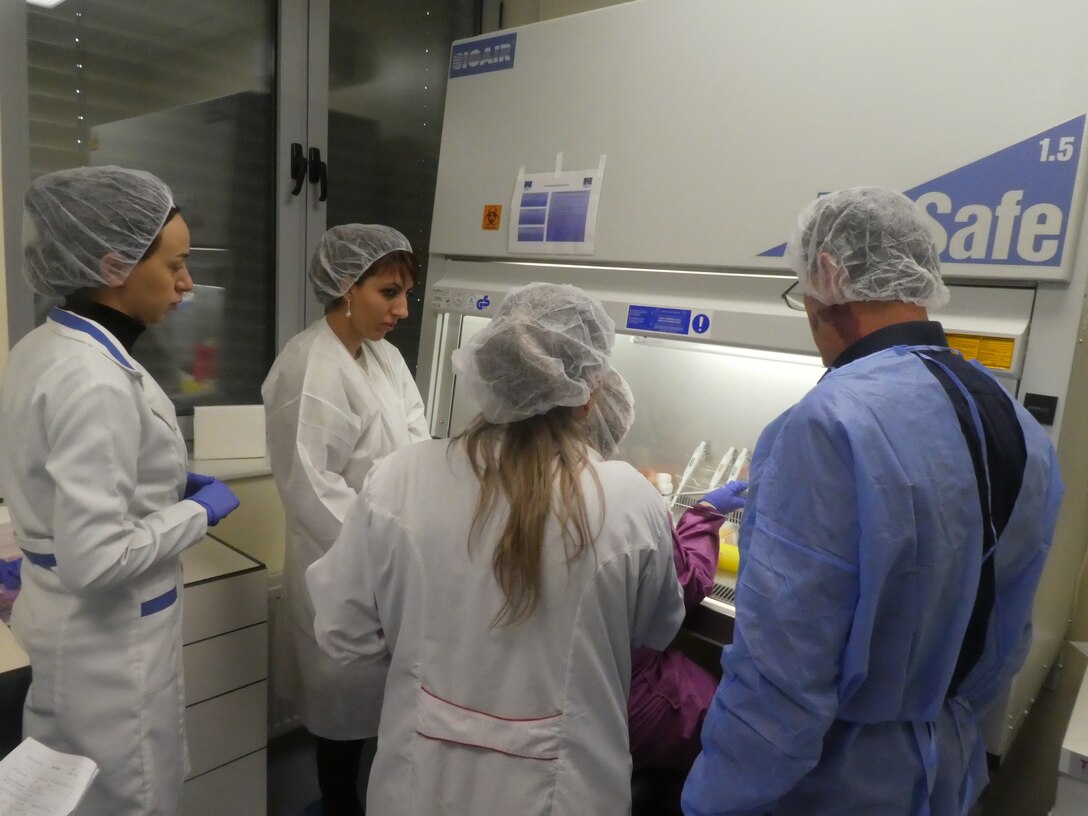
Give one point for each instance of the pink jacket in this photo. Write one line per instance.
(670, 693)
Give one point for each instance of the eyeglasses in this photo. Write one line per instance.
(795, 300)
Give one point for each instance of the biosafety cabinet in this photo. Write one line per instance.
(656, 154)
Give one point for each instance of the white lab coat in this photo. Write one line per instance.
(93, 467)
(527, 720)
(329, 418)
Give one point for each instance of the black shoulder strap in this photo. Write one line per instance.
(974, 638)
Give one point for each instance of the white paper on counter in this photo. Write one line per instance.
(555, 213)
(38, 781)
(229, 432)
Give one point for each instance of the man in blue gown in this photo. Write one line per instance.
(897, 523)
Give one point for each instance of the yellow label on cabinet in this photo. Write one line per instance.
(992, 352)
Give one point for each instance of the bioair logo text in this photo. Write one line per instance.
(483, 56)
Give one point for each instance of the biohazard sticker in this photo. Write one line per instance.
(492, 216)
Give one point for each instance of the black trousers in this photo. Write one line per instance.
(338, 775)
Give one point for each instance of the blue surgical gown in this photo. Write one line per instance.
(861, 557)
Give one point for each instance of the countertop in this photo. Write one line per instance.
(205, 561)
(12, 656)
(227, 469)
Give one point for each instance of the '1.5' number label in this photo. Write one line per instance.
(1063, 153)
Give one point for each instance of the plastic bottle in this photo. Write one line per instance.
(205, 361)
(663, 483)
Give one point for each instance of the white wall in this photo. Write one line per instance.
(16, 304)
(3, 273)
(558, 8)
(522, 12)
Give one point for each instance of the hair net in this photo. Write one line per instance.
(74, 218)
(548, 346)
(346, 252)
(881, 244)
(612, 415)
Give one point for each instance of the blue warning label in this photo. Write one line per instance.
(658, 319)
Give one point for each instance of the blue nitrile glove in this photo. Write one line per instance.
(10, 573)
(195, 481)
(218, 499)
(726, 498)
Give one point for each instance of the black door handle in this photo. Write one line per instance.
(319, 173)
(298, 168)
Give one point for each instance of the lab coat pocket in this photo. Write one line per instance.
(530, 737)
(157, 609)
(41, 552)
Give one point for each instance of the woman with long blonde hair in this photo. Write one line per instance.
(508, 573)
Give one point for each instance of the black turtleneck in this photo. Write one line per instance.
(126, 329)
(912, 333)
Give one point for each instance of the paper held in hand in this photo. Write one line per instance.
(38, 781)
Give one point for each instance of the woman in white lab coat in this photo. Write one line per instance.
(93, 468)
(338, 398)
(508, 572)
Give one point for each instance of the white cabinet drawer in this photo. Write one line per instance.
(224, 605)
(224, 728)
(238, 789)
(221, 664)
